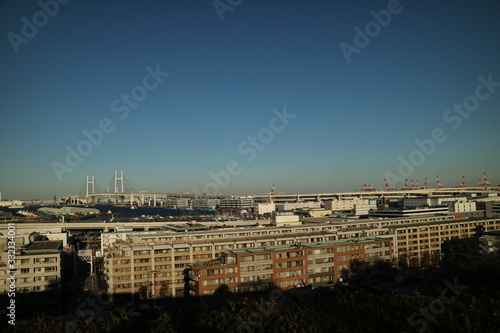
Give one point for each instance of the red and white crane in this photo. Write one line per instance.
(387, 187)
(486, 181)
(272, 190)
(406, 187)
(463, 182)
(438, 183)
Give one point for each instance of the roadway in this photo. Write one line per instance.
(281, 198)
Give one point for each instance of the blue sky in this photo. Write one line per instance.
(352, 120)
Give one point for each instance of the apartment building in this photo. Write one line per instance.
(37, 265)
(156, 258)
(286, 266)
(420, 244)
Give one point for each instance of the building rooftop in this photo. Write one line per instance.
(43, 247)
(308, 245)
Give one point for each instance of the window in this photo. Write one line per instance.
(162, 251)
(263, 257)
(263, 267)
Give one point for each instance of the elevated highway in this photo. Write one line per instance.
(154, 199)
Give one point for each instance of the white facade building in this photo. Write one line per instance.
(298, 205)
(346, 204)
(461, 206)
(263, 208)
(364, 209)
(430, 202)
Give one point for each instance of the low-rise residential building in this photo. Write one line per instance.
(35, 277)
(153, 258)
(37, 267)
(286, 266)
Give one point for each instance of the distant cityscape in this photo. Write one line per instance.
(136, 248)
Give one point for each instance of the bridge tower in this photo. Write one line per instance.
(119, 180)
(90, 181)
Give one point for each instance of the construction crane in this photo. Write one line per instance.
(406, 187)
(486, 181)
(463, 182)
(438, 183)
(272, 190)
(387, 187)
(368, 188)
(483, 182)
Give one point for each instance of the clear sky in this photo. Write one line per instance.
(350, 94)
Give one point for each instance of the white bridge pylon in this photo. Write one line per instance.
(90, 194)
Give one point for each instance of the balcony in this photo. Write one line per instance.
(194, 277)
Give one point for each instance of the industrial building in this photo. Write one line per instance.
(179, 203)
(239, 203)
(298, 205)
(205, 203)
(410, 203)
(345, 204)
